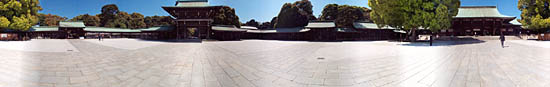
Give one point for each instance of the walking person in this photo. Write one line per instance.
(100, 36)
(502, 39)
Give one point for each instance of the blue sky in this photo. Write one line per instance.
(260, 10)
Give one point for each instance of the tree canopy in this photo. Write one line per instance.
(108, 14)
(413, 14)
(265, 25)
(535, 14)
(152, 21)
(19, 15)
(89, 20)
(297, 14)
(50, 20)
(344, 15)
(253, 23)
(226, 16)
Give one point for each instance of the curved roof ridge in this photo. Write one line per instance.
(480, 11)
(478, 6)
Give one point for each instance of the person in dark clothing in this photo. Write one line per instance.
(100, 36)
(502, 39)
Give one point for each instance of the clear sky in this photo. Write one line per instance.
(260, 10)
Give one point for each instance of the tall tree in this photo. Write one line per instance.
(89, 20)
(19, 14)
(50, 20)
(330, 12)
(535, 14)
(122, 19)
(413, 14)
(265, 25)
(226, 16)
(253, 23)
(137, 21)
(108, 14)
(344, 15)
(297, 14)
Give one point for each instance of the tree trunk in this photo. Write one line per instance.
(431, 39)
(413, 36)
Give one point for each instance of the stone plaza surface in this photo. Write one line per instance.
(265, 63)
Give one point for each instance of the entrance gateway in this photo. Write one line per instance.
(193, 18)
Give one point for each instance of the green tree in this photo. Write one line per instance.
(122, 20)
(265, 25)
(21, 14)
(535, 14)
(297, 14)
(50, 20)
(252, 23)
(109, 15)
(89, 20)
(330, 12)
(413, 14)
(344, 15)
(4, 22)
(152, 21)
(226, 16)
(137, 21)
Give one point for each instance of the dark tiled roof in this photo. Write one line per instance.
(479, 11)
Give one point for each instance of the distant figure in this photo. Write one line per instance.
(502, 39)
(100, 36)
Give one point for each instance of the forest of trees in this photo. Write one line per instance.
(345, 15)
(226, 16)
(111, 17)
(14, 15)
(299, 13)
(49, 19)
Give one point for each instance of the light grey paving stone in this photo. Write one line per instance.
(54, 80)
(264, 63)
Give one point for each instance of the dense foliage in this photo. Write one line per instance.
(226, 16)
(535, 14)
(344, 15)
(153, 21)
(413, 14)
(50, 20)
(252, 23)
(110, 16)
(89, 20)
(265, 25)
(19, 15)
(297, 14)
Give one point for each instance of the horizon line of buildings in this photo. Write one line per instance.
(193, 22)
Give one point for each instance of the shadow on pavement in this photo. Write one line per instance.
(455, 41)
(175, 40)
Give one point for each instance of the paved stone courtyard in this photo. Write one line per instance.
(265, 63)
